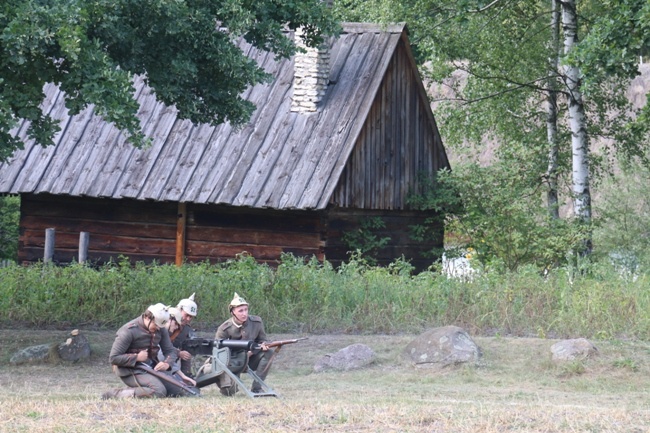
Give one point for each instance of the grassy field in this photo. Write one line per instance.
(516, 389)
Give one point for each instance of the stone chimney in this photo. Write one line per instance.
(311, 75)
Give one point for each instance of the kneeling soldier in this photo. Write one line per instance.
(241, 326)
(139, 341)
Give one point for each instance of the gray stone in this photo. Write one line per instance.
(75, 348)
(352, 357)
(32, 354)
(570, 350)
(441, 347)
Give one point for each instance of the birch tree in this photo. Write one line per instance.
(552, 199)
(577, 121)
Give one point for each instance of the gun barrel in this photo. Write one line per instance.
(203, 346)
(238, 344)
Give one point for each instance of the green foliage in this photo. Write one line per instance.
(313, 297)
(497, 211)
(627, 364)
(9, 220)
(623, 215)
(365, 239)
(184, 50)
(493, 88)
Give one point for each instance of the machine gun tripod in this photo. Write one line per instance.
(218, 363)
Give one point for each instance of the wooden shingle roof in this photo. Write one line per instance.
(280, 159)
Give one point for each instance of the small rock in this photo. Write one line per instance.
(569, 350)
(352, 357)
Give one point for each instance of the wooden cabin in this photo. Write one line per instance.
(310, 166)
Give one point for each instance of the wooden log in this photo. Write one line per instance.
(48, 252)
(84, 240)
(180, 233)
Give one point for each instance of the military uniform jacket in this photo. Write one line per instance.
(183, 335)
(134, 337)
(252, 329)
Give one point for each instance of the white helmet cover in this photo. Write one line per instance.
(188, 305)
(237, 301)
(176, 315)
(160, 314)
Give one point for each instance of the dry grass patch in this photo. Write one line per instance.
(516, 389)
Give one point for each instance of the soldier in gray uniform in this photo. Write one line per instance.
(242, 326)
(189, 311)
(175, 330)
(139, 341)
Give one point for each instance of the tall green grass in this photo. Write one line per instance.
(314, 297)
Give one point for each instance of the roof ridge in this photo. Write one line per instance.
(351, 27)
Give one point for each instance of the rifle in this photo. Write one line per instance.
(167, 378)
(280, 343)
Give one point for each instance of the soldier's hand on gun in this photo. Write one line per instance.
(264, 347)
(188, 380)
(161, 366)
(184, 355)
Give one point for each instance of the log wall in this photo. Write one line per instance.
(397, 228)
(146, 231)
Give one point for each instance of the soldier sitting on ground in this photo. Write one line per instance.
(189, 311)
(242, 326)
(138, 342)
(174, 328)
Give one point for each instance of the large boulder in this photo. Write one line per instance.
(75, 348)
(575, 349)
(349, 358)
(442, 347)
(32, 355)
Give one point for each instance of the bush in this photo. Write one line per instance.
(310, 296)
(9, 221)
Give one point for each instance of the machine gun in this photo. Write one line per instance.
(204, 346)
(218, 353)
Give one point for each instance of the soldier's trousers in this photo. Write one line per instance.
(147, 385)
(258, 362)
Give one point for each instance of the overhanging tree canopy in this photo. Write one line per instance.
(183, 48)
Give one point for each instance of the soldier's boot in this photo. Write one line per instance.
(229, 391)
(227, 386)
(262, 371)
(256, 388)
(119, 393)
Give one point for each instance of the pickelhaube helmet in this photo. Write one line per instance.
(176, 315)
(160, 313)
(188, 305)
(237, 301)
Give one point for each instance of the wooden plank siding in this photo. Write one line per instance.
(397, 227)
(146, 231)
(396, 145)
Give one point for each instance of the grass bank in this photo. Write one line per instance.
(313, 297)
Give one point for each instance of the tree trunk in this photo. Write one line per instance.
(579, 139)
(551, 114)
